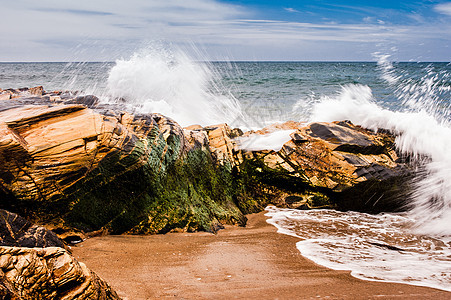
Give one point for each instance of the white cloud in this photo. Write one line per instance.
(106, 29)
(443, 8)
(291, 10)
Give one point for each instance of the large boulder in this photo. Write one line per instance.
(48, 273)
(325, 165)
(66, 164)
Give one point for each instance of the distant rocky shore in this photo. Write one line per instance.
(79, 167)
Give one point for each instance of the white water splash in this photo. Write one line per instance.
(271, 141)
(166, 81)
(421, 132)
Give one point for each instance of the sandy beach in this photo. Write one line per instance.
(254, 262)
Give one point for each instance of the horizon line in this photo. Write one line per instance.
(234, 61)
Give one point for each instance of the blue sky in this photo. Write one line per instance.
(99, 30)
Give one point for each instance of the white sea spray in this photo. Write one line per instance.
(420, 132)
(168, 81)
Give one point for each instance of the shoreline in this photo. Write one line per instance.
(252, 262)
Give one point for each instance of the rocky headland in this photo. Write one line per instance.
(80, 168)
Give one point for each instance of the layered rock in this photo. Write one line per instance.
(334, 165)
(15, 93)
(36, 264)
(71, 162)
(65, 163)
(48, 273)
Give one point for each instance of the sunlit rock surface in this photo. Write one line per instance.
(48, 273)
(36, 264)
(337, 165)
(65, 163)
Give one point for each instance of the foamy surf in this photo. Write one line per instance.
(414, 247)
(372, 247)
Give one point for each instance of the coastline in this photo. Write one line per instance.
(252, 262)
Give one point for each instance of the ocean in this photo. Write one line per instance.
(412, 99)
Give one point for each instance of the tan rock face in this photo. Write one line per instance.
(44, 146)
(15, 93)
(48, 273)
(64, 163)
(339, 155)
(221, 144)
(46, 149)
(334, 155)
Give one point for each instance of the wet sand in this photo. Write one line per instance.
(237, 263)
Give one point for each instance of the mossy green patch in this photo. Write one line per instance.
(154, 189)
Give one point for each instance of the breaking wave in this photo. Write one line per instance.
(166, 81)
(421, 124)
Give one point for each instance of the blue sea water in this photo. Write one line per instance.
(266, 91)
(412, 99)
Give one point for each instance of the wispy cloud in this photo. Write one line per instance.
(78, 12)
(88, 12)
(291, 10)
(443, 8)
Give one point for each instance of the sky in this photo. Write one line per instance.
(314, 30)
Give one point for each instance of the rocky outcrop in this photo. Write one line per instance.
(72, 162)
(18, 232)
(36, 264)
(22, 92)
(65, 163)
(335, 165)
(48, 273)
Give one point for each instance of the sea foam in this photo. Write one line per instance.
(372, 247)
(270, 141)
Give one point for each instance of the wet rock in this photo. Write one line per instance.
(21, 92)
(6, 291)
(5, 96)
(220, 143)
(36, 264)
(76, 163)
(89, 101)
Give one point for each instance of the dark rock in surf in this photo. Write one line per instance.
(389, 247)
